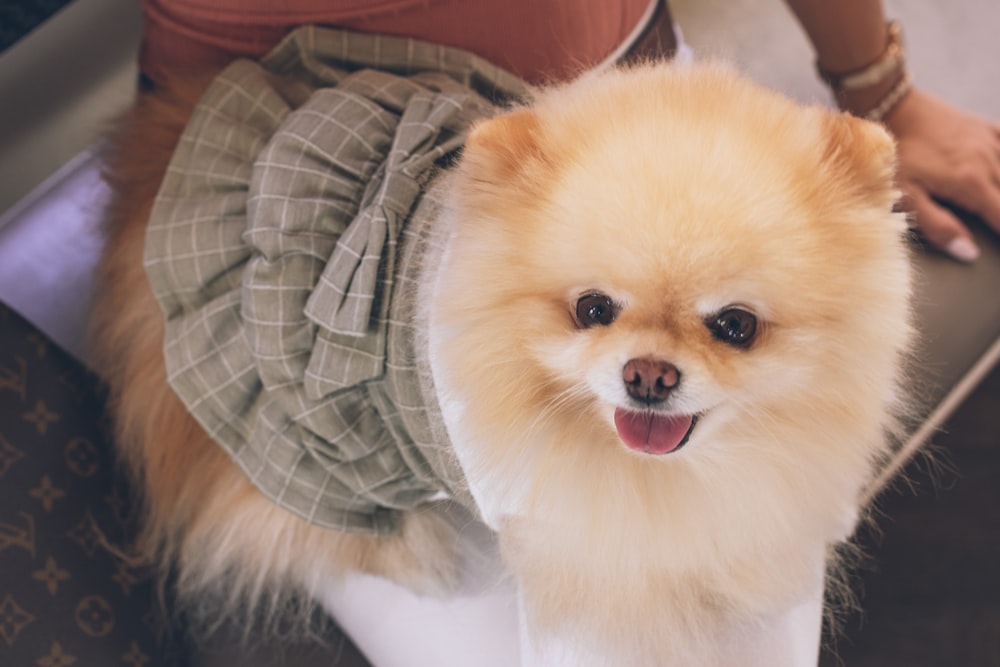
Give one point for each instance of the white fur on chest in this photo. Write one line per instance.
(495, 498)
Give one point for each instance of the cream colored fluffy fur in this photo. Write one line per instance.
(675, 190)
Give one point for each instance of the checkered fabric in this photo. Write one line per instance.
(291, 214)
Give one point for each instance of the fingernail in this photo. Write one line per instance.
(962, 249)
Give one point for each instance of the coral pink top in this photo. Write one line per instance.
(535, 39)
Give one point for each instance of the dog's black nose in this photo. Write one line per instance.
(649, 380)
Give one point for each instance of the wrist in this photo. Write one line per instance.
(874, 89)
(881, 101)
(860, 101)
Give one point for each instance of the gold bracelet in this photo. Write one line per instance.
(890, 62)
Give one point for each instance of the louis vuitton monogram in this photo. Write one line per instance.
(67, 597)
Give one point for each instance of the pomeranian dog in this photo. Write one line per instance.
(665, 316)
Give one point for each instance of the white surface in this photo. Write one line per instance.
(49, 244)
(394, 628)
(790, 639)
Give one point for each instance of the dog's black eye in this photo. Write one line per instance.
(734, 326)
(593, 310)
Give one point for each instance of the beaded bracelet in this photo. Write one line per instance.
(891, 63)
(891, 99)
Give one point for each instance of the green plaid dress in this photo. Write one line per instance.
(293, 213)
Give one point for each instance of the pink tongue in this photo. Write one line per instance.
(649, 432)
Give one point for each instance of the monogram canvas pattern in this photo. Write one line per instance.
(69, 594)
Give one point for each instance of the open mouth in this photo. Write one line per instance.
(653, 433)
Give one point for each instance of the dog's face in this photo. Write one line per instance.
(672, 313)
(676, 249)
(676, 265)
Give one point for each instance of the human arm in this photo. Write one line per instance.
(945, 154)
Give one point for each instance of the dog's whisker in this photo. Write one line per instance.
(576, 391)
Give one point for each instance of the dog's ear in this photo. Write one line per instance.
(863, 155)
(507, 150)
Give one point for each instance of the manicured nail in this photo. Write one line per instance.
(963, 249)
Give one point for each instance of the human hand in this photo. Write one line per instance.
(946, 154)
